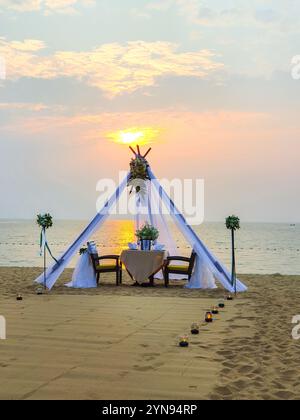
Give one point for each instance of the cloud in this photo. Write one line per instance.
(267, 15)
(113, 68)
(30, 107)
(172, 123)
(20, 6)
(28, 45)
(23, 106)
(137, 13)
(204, 13)
(46, 6)
(160, 5)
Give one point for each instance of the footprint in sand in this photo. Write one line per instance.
(142, 368)
(123, 374)
(240, 384)
(158, 364)
(229, 365)
(150, 356)
(225, 353)
(285, 395)
(3, 365)
(287, 375)
(245, 369)
(223, 391)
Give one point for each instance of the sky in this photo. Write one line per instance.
(213, 78)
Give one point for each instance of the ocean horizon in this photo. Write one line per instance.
(262, 248)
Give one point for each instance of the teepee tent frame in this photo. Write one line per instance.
(218, 270)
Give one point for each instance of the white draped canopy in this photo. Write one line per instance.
(149, 207)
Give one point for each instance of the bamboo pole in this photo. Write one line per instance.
(233, 274)
(149, 150)
(45, 263)
(133, 151)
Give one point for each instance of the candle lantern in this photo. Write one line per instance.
(195, 329)
(215, 310)
(19, 297)
(184, 341)
(221, 304)
(208, 317)
(39, 291)
(229, 297)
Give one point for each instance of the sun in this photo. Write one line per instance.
(134, 136)
(129, 137)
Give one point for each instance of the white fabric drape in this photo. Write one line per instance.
(149, 208)
(84, 276)
(56, 269)
(208, 267)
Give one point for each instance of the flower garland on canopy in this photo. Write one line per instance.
(138, 175)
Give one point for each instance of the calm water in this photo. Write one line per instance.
(261, 248)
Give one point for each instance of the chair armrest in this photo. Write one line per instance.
(184, 259)
(109, 257)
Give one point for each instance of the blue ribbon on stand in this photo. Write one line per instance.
(44, 245)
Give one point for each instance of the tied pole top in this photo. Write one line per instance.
(137, 153)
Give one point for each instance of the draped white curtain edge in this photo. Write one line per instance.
(218, 269)
(56, 269)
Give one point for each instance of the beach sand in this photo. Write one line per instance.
(121, 343)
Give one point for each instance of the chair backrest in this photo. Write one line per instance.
(192, 262)
(92, 250)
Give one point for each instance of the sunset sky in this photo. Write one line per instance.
(212, 79)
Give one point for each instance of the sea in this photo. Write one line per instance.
(261, 248)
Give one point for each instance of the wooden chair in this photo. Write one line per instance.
(114, 267)
(186, 270)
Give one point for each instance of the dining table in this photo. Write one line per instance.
(143, 265)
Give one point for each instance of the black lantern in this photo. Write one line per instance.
(184, 341)
(208, 317)
(215, 310)
(195, 329)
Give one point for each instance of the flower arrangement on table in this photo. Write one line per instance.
(146, 235)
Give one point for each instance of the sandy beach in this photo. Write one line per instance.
(121, 343)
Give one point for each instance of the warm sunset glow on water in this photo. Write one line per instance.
(120, 234)
(134, 136)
